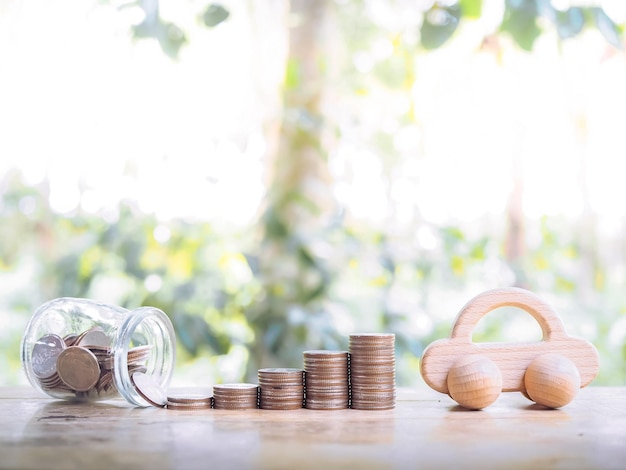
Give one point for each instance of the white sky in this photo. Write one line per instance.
(80, 102)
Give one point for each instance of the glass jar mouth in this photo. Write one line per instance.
(144, 327)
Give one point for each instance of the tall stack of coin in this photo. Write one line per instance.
(326, 383)
(81, 364)
(372, 371)
(238, 396)
(281, 388)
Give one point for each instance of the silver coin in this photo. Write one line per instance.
(45, 353)
(189, 398)
(93, 337)
(236, 386)
(149, 389)
(280, 370)
(323, 353)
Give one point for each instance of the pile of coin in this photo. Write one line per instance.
(326, 380)
(238, 396)
(81, 364)
(372, 371)
(281, 388)
(189, 401)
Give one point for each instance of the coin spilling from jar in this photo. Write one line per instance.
(362, 378)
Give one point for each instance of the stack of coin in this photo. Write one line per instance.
(239, 396)
(326, 384)
(189, 401)
(281, 388)
(81, 364)
(372, 371)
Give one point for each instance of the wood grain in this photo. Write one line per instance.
(426, 430)
(474, 382)
(552, 380)
(512, 358)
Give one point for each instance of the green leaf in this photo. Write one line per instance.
(471, 9)
(214, 15)
(520, 21)
(478, 251)
(607, 27)
(274, 225)
(273, 337)
(189, 330)
(292, 75)
(439, 25)
(452, 234)
(306, 258)
(171, 38)
(391, 71)
(316, 293)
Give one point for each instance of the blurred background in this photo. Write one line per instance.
(277, 174)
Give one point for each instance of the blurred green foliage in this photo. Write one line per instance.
(211, 286)
(285, 286)
(522, 20)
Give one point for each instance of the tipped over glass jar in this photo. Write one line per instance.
(80, 349)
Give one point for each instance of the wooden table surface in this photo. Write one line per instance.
(425, 430)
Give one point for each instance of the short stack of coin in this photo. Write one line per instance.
(238, 396)
(281, 388)
(81, 364)
(189, 401)
(372, 371)
(326, 380)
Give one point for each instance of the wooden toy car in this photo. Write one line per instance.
(549, 372)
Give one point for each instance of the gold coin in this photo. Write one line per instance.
(78, 368)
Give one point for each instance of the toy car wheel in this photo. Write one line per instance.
(474, 382)
(552, 380)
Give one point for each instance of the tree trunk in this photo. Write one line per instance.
(299, 197)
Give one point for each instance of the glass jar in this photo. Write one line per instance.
(80, 349)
